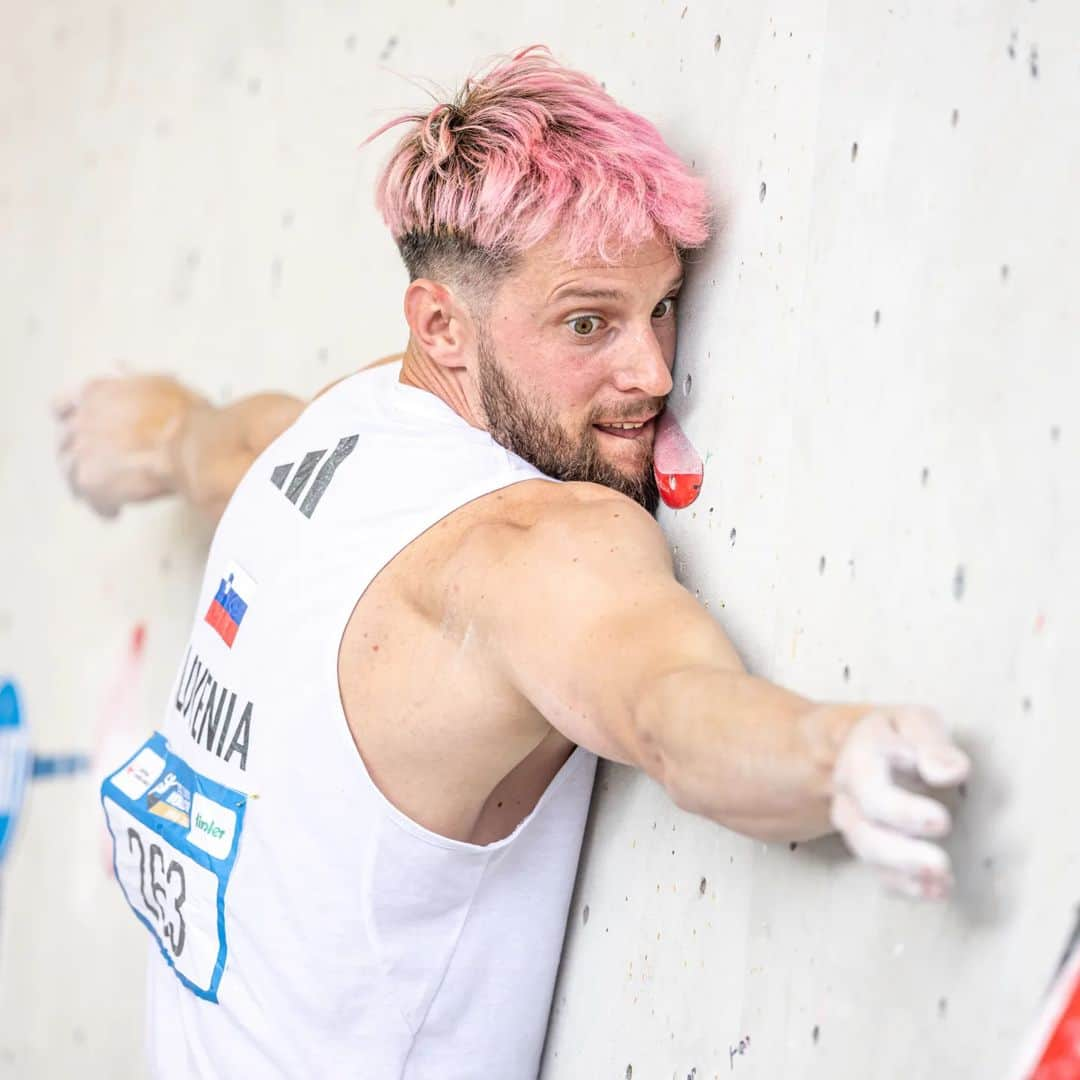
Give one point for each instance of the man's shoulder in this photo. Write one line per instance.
(537, 510)
(522, 533)
(536, 500)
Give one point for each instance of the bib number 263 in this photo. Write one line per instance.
(167, 890)
(175, 838)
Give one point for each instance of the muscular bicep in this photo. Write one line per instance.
(581, 611)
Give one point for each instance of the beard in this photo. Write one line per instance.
(535, 434)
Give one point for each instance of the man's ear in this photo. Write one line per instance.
(439, 323)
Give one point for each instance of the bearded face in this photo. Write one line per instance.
(533, 432)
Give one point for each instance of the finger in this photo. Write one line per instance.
(886, 803)
(885, 848)
(71, 473)
(63, 404)
(868, 777)
(876, 735)
(938, 760)
(97, 495)
(82, 473)
(904, 884)
(916, 886)
(105, 509)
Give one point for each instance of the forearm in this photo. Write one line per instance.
(744, 752)
(213, 447)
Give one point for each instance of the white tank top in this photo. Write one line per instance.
(321, 931)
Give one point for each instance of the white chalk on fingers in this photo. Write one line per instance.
(904, 884)
(875, 744)
(844, 814)
(916, 887)
(944, 766)
(880, 798)
(924, 729)
(891, 850)
(899, 809)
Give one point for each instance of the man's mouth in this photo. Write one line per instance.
(628, 429)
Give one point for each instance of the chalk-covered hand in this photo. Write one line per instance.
(117, 438)
(881, 821)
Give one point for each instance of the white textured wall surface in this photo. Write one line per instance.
(884, 380)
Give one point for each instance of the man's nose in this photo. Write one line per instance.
(645, 367)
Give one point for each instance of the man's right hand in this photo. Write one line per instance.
(881, 821)
(135, 437)
(118, 438)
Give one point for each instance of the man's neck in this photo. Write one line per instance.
(420, 371)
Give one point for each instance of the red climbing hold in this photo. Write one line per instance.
(676, 464)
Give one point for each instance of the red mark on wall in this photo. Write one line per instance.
(120, 725)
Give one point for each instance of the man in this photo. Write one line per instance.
(435, 595)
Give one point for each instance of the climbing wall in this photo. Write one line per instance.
(881, 363)
(877, 359)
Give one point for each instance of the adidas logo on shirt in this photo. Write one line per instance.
(299, 482)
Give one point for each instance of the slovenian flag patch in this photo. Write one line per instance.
(227, 609)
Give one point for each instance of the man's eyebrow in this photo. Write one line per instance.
(568, 291)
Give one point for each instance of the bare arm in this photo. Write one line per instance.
(214, 447)
(134, 438)
(583, 614)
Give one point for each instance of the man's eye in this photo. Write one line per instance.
(586, 319)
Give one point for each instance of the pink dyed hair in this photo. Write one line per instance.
(529, 148)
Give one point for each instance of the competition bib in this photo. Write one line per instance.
(175, 836)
